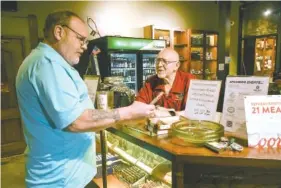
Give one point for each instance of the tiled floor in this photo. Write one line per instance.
(13, 172)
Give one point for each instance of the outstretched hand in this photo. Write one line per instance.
(164, 112)
(141, 110)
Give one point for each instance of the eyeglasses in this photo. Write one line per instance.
(83, 40)
(164, 61)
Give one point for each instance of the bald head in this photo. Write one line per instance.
(168, 63)
(169, 54)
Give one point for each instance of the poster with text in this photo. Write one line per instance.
(92, 82)
(263, 121)
(202, 99)
(236, 88)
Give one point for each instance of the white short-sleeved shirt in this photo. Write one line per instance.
(51, 95)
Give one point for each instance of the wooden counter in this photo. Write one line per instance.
(199, 162)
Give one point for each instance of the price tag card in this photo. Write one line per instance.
(202, 100)
(263, 120)
(236, 88)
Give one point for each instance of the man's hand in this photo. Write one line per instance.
(141, 110)
(164, 112)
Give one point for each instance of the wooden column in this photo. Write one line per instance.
(177, 175)
(278, 52)
(224, 45)
(224, 36)
(33, 31)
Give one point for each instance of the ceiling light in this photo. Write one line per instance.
(267, 12)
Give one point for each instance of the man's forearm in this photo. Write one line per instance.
(97, 115)
(96, 120)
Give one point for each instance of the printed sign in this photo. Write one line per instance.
(263, 121)
(202, 100)
(233, 116)
(92, 82)
(127, 43)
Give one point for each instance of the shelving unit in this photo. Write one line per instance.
(265, 56)
(181, 45)
(175, 38)
(203, 54)
(154, 32)
(198, 49)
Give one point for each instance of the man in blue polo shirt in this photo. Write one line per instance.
(58, 116)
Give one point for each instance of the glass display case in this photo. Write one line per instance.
(139, 160)
(265, 55)
(136, 166)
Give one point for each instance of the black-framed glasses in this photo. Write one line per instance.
(83, 40)
(165, 62)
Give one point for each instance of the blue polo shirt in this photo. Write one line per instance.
(51, 95)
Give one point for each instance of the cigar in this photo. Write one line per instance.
(157, 98)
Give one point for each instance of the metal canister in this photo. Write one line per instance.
(105, 100)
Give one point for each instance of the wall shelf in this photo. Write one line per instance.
(203, 48)
(180, 45)
(192, 46)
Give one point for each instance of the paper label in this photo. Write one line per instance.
(102, 101)
(202, 99)
(233, 116)
(263, 121)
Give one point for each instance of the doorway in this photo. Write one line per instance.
(248, 56)
(12, 55)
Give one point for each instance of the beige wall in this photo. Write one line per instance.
(16, 26)
(126, 18)
(234, 16)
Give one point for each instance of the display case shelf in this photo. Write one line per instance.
(143, 159)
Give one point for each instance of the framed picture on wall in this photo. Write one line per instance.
(92, 82)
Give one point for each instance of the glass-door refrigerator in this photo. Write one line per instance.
(132, 58)
(124, 64)
(148, 65)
